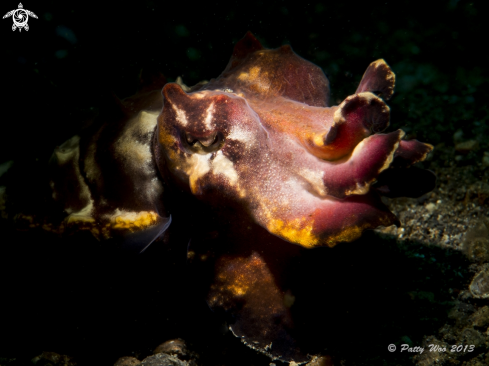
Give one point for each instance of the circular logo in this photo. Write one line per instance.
(20, 17)
(391, 347)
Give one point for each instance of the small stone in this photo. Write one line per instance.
(458, 136)
(461, 313)
(435, 357)
(173, 347)
(485, 159)
(162, 359)
(471, 336)
(321, 361)
(53, 359)
(482, 193)
(477, 249)
(479, 287)
(127, 361)
(476, 242)
(178, 348)
(430, 207)
(466, 146)
(481, 317)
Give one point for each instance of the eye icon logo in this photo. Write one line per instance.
(20, 17)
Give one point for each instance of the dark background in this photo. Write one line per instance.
(59, 73)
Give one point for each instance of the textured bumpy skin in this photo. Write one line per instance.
(257, 165)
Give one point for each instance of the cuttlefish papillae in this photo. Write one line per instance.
(255, 164)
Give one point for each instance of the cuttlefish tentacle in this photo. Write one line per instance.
(378, 79)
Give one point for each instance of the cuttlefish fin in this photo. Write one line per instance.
(138, 241)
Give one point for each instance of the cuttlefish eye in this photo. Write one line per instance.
(203, 144)
(192, 118)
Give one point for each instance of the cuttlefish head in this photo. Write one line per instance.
(208, 139)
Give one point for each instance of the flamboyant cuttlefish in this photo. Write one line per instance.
(252, 162)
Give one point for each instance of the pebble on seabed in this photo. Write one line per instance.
(172, 347)
(127, 361)
(479, 287)
(466, 146)
(485, 159)
(160, 359)
(54, 359)
(321, 361)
